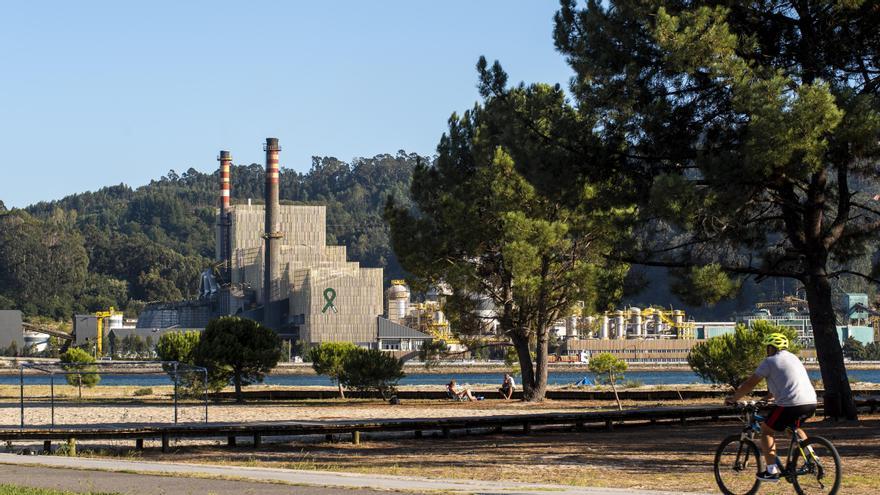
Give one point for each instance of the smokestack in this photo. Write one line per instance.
(225, 160)
(272, 233)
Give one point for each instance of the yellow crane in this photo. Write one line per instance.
(101, 316)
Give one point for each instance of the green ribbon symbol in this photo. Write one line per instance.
(329, 296)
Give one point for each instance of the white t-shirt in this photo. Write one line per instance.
(787, 379)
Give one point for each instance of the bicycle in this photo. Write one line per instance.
(813, 465)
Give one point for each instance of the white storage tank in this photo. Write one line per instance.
(636, 315)
(397, 300)
(620, 323)
(571, 328)
(35, 340)
(115, 321)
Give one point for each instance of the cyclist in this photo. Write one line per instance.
(790, 386)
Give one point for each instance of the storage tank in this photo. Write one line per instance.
(115, 321)
(603, 332)
(678, 318)
(37, 341)
(620, 323)
(571, 327)
(397, 297)
(636, 315)
(658, 323)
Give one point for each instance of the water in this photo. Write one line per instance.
(659, 377)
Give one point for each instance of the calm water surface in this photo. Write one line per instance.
(660, 377)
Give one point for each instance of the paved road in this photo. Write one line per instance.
(134, 478)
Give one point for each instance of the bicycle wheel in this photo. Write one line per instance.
(818, 471)
(737, 461)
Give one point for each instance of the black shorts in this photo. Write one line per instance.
(779, 418)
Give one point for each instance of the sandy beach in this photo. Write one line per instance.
(158, 408)
(124, 404)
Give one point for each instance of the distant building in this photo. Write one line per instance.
(11, 329)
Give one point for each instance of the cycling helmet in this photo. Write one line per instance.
(777, 340)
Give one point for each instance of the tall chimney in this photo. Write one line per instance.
(272, 233)
(223, 221)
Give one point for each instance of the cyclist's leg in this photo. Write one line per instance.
(769, 428)
(806, 412)
(768, 444)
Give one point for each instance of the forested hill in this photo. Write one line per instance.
(124, 247)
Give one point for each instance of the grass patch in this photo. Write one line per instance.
(142, 392)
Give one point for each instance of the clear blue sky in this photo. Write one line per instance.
(101, 93)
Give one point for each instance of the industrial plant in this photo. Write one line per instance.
(274, 266)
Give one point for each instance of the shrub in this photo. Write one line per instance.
(181, 347)
(607, 365)
(328, 359)
(143, 391)
(372, 369)
(731, 358)
(78, 360)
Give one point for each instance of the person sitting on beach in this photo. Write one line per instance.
(459, 391)
(507, 386)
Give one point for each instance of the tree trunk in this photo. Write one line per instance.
(614, 389)
(539, 390)
(341, 390)
(838, 397)
(236, 379)
(521, 344)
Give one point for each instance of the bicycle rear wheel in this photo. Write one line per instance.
(737, 462)
(817, 471)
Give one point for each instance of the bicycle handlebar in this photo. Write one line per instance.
(752, 405)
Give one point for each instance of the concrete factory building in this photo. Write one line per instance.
(276, 267)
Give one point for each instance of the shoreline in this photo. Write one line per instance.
(9, 366)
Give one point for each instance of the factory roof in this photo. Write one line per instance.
(390, 330)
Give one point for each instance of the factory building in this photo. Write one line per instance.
(276, 267)
(11, 330)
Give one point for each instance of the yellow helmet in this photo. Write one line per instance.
(777, 340)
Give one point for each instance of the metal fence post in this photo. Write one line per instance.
(175, 392)
(52, 396)
(21, 393)
(205, 371)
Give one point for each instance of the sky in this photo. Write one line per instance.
(101, 93)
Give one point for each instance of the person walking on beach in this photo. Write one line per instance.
(507, 386)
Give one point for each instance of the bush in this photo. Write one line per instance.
(180, 347)
(143, 391)
(78, 360)
(731, 358)
(328, 359)
(607, 365)
(372, 369)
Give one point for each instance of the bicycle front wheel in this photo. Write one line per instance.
(817, 468)
(737, 462)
